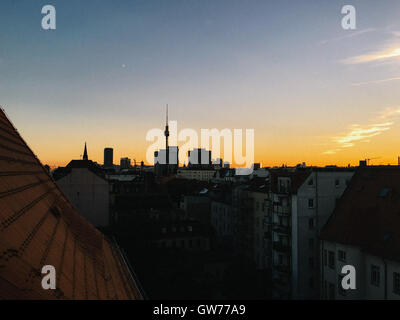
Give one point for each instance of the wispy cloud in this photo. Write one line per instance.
(390, 113)
(364, 133)
(359, 133)
(348, 35)
(374, 56)
(375, 81)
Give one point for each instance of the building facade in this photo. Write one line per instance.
(301, 202)
(87, 189)
(364, 233)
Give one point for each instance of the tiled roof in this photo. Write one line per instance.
(38, 226)
(368, 214)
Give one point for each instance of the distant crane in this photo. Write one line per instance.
(368, 160)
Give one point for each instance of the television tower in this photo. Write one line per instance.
(166, 134)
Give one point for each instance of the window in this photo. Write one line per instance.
(331, 291)
(311, 262)
(337, 183)
(396, 283)
(311, 243)
(331, 259)
(325, 258)
(280, 259)
(342, 255)
(341, 291)
(311, 203)
(310, 182)
(375, 275)
(311, 223)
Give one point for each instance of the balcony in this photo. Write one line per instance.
(283, 268)
(281, 210)
(281, 283)
(282, 229)
(280, 247)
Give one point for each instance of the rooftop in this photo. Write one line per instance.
(368, 214)
(39, 226)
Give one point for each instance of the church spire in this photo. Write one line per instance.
(85, 156)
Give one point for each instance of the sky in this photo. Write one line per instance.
(312, 91)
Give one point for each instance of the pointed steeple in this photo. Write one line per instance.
(85, 156)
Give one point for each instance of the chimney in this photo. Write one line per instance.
(363, 163)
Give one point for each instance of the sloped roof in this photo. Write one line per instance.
(368, 213)
(39, 226)
(61, 172)
(297, 177)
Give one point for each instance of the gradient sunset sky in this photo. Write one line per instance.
(312, 91)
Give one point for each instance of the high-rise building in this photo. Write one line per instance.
(199, 157)
(108, 157)
(125, 163)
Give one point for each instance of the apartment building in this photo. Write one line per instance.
(364, 232)
(258, 192)
(300, 202)
(195, 174)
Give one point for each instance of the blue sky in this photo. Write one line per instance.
(280, 67)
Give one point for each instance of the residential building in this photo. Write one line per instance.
(181, 235)
(364, 232)
(86, 187)
(301, 201)
(195, 174)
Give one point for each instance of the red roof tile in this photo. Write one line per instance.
(39, 226)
